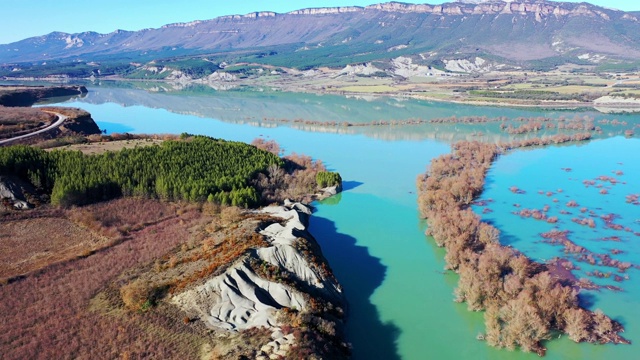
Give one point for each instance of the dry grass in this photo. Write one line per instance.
(214, 244)
(120, 217)
(102, 147)
(17, 121)
(47, 315)
(32, 241)
(32, 244)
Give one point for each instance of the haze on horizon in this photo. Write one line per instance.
(29, 18)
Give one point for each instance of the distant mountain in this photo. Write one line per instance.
(513, 33)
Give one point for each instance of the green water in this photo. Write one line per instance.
(400, 300)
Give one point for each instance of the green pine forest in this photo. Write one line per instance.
(198, 168)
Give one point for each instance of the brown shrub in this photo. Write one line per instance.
(230, 215)
(271, 146)
(136, 294)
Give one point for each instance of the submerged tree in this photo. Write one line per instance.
(524, 303)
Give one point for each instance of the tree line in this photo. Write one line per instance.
(196, 169)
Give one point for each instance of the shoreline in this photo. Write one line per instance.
(622, 104)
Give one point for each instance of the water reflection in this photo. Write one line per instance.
(338, 114)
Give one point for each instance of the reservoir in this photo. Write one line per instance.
(401, 299)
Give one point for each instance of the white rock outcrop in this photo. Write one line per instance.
(404, 66)
(239, 299)
(618, 100)
(463, 65)
(12, 190)
(360, 69)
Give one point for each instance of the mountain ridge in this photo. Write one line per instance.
(515, 31)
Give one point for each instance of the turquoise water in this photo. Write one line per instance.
(400, 300)
(542, 170)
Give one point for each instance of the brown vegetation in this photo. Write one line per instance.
(531, 126)
(524, 303)
(271, 145)
(20, 121)
(33, 240)
(215, 260)
(47, 315)
(633, 199)
(99, 147)
(548, 140)
(97, 144)
(27, 245)
(296, 181)
(566, 127)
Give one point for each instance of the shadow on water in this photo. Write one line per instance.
(360, 275)
(586, 300)
(508, 239)
(350, 185)
(488, 181)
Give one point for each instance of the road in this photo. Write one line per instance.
(61, 119)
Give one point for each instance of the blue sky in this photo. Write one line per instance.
(27, 18)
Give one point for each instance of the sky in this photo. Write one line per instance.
(26, 18)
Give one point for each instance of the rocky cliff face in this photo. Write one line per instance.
(538, 9)
(327, 11)
(486, 8)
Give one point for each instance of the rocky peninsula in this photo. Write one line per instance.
(285, 287)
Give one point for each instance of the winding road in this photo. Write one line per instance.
(61, 119)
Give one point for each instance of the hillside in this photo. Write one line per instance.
(508, 34)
